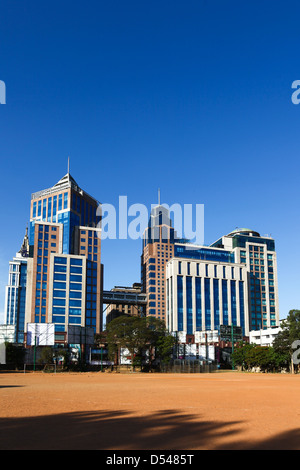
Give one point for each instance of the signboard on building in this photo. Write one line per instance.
(125, 356)
(40, 334)
(7, 333)
(80, 335)
(181, 336)
(206, 352)
(191, 352)
(209, 336)
(2, 353)
(231, 332)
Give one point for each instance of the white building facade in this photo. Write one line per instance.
(231, 282)
(203, 294)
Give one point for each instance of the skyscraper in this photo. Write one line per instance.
(15, 292)
(158, 248)
(206, 288)
(64, 272)
(258, 254)
(196, 288)
(231, 282)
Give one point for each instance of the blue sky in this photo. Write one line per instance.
(192, 97)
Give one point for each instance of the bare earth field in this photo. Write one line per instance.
(81, 411)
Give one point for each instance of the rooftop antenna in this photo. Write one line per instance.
(159, 196)
(68, 165)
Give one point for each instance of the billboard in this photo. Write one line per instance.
(228, 332)
(80, 335)
(211, 336)
(7, 333)
(2, 353)
(181, 336)
(207, 352)
(40, 334)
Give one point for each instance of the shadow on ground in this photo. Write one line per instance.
(107, 430)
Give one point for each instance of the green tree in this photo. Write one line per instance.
(252, 355)
(289, 334)
(46, 355)
(137, 334)
(164, 347)
(241, 354)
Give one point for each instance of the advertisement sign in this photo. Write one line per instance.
(210, 336)
(40, 334)
(229, 332)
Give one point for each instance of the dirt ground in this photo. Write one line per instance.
(94, 411)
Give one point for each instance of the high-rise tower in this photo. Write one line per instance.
(64, 272)
(158, 248)
(258, 254)
(15, 292)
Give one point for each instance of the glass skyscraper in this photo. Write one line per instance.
(64, 272)
(15, 292)
(198, 288)
(158, 248)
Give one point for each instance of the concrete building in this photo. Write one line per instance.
(15, 292)
(264, 337)
(158, 249)
(205, 289)
(64, 278)
(258, 254)
(196, 288)
(115, 310)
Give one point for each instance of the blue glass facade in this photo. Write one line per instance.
(198, 304)
(233, 302)
(91, 294)
(180, 302)
(203, 253)
(189, 306)
(67, 292)
(242, 305)
(16, 297)
(225, 301)
(216, 303)
(207, 304)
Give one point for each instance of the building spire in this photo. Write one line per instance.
(24, 251)
(68, 165)
(159, 196)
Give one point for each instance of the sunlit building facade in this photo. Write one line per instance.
(198, 288)
(63, 279)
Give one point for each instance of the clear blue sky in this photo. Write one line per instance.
(192, 97)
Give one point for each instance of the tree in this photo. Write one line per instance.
(252, 355)
(137, 334)
(241, 355)
(286, 338)
(164, 347)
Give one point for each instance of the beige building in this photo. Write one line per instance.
(115, 310)
(64, 271)
(158, 249)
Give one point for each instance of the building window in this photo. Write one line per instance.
(216, 303)
(233, 302)
(207, 304)
(180, 302)
(225, 302)
(189, 305)
(198, 304)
